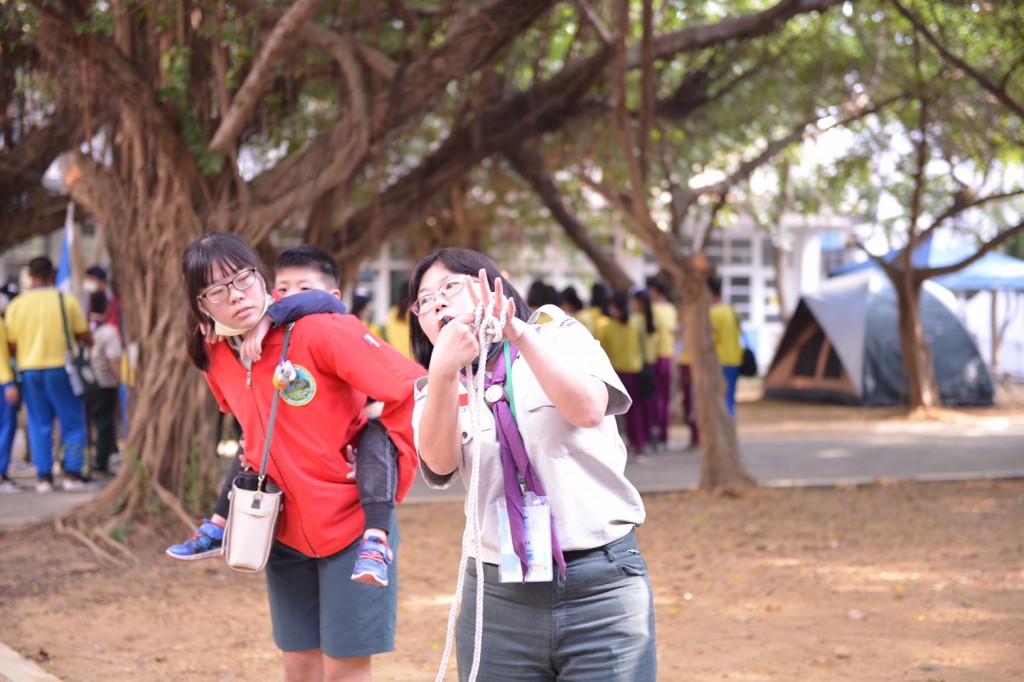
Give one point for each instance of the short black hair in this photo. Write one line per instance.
(312, 257)
(97, 272)
(659, 285)
(541, 293)
(715, 285)
(41, 268)
(571, 298)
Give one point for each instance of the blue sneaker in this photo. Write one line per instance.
(372, 565)
(207, 542)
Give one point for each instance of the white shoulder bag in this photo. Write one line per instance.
(255, 505)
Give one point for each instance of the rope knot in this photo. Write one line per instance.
(490, 329)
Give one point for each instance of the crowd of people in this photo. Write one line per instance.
(572, 389)
(42, 329)
(641, 333)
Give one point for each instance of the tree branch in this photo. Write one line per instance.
(476, 37)
(531, 166)
(133, 92)
(258, 81)
(745, 169)
(1001, 238)
(978, 77)
(542, 108)
(26, 161)
(699, 36)
(964, 201)
(31, 213)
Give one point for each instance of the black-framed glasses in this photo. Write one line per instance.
(450, 287)
(242, 281)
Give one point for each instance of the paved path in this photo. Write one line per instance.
(841, 454)
(847, 454)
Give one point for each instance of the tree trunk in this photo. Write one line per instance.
(997, 332)
(721, 470)
(922, 391)
(171, 444)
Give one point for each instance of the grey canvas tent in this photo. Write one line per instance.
(842, 345)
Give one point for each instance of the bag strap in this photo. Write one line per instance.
(739, 328)
(67, 330)
(273, 413)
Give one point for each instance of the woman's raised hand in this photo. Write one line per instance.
(496, 301)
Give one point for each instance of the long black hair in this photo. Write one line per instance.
(600, 297)
(213, 250)
(618, 306)
(644, 297)
(462, 262)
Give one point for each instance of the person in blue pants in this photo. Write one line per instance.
(41, 325)
(9, 403)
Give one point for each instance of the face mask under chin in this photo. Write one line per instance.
(224, 330)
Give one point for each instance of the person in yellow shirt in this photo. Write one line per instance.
(599, 303)
(36, 334)
(396, 327)
(8, 413)
(725, 328)
(572, 304)
(666, 319)
(622, 339)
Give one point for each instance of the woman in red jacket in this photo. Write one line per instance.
(327, 625)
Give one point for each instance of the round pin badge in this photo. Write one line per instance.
(493, 394)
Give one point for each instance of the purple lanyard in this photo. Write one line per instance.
(515, 464)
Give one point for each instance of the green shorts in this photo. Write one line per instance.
(314, 603)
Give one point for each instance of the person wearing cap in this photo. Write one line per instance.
(95, 280)
(105, 358)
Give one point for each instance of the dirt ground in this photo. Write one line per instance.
(888, 582)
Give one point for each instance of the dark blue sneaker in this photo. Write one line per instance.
(372, 565)
(207, 542)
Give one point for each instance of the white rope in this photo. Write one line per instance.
(488, 330)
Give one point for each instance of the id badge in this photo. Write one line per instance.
(537, 531)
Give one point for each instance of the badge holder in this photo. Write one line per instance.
(537, 530)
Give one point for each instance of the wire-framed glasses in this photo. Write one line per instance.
(450, 287)
(242, 281)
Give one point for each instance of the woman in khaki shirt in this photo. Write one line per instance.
(595, 621)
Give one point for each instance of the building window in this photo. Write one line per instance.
(740, 252)
(714, 251)
(767, 253)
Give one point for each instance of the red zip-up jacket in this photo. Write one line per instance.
(339, 362)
